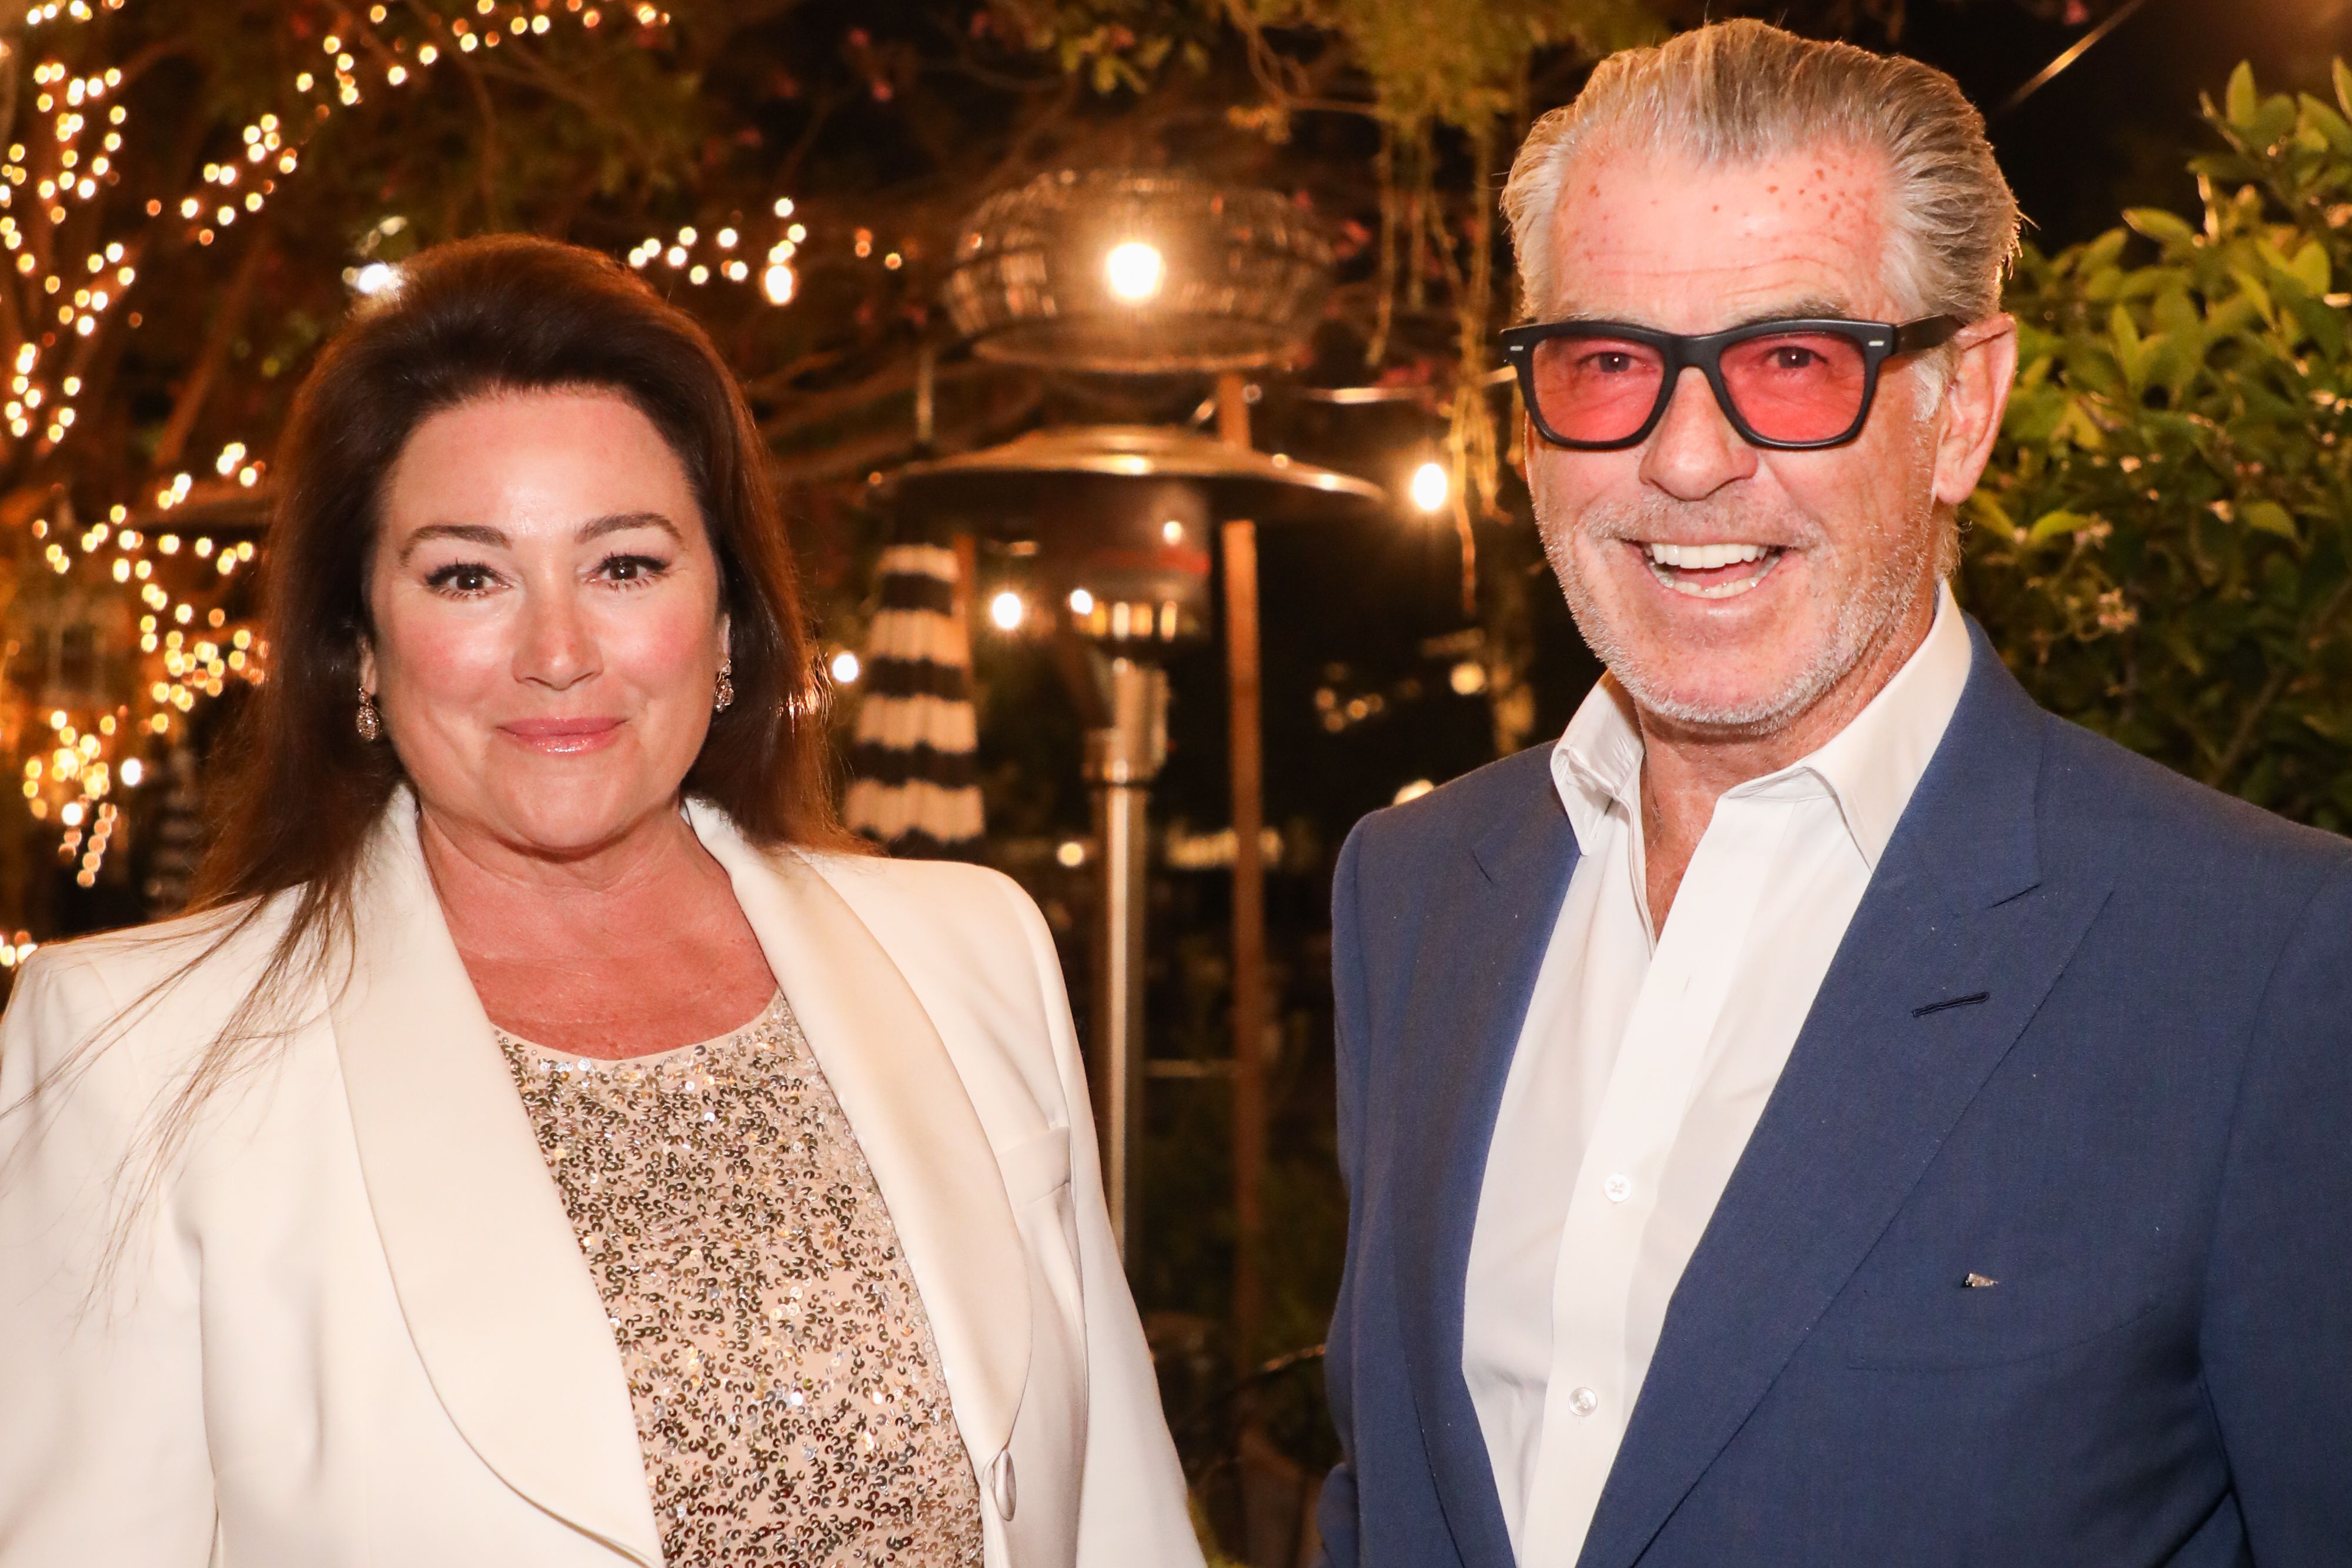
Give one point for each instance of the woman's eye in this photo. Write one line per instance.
(633, 567)
(461, 577)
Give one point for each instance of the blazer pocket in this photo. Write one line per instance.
(1925, 1322)
(1035, 1167)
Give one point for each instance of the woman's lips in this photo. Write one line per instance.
(561, 736)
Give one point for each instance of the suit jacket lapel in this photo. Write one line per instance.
(496, 1297)
(915, 1126)
(1488, 928)
(1957, 907)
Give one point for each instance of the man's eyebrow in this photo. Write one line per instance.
(1818, 307)
(617, 522)
(471, 533)
(1815, 307)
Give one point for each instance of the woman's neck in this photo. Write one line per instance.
(638, 946)
(502, 896)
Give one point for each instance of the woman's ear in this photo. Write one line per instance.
(367, 665)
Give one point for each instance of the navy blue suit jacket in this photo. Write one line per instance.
(2089, 1034)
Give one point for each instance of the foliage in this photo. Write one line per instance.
(2161, 544)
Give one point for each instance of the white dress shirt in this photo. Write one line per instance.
(1644, 1063)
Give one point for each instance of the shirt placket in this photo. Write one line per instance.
(1592, 1388)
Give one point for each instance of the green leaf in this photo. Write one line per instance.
(2309, 266)
(2332, 132)
(2050, 525)
(2270, 518)
(2100, 252)
(2239, 103)
(2343, 86)
(2167, 229)
(2273, 121)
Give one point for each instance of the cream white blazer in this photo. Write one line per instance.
(353, 1327)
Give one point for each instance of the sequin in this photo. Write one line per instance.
(786, 1386)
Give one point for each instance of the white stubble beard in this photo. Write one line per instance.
(1880, 602)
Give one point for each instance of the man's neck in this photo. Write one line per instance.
(1686, 768)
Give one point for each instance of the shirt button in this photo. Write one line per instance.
(1618, 1187)
(1583, 1401)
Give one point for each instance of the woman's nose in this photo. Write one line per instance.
(558, 649)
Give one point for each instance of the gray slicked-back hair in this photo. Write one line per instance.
(1742, 92)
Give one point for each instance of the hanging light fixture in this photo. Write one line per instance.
(1136, 272)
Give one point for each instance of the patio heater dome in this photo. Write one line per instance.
(1138, 272)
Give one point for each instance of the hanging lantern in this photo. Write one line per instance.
(1131, 272)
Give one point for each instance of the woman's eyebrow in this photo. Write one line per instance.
(617, 522)
(495, 539)
(471, 533)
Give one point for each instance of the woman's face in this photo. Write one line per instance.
(547, 623)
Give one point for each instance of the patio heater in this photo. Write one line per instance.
(1151, 273)
(1124, 518)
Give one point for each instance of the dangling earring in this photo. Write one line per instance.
(724, 697)
(369, 723)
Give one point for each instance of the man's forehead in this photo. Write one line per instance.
(1660, 237)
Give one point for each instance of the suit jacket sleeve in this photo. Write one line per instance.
(102, 1456)
(1335, 1515)
(1132, 1509)
(2278, 1319)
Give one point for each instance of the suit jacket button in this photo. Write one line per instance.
(1000, 1484)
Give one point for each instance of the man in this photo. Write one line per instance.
(1824, 1109)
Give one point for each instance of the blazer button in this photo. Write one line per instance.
(1000, 1484)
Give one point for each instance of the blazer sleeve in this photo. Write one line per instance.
(102, 1453)
(1132, 1508)
(2277, 1328)
(1336, 1516)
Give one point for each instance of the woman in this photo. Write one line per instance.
(551, 1146)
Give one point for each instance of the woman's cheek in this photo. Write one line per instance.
(666, 656)
(452, 656)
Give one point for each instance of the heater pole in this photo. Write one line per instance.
(1121, 759)
(1249, 900)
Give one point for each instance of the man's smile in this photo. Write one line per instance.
(1719, 569)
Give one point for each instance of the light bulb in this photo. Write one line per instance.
(1007, 610)
(1431, 487)
(1135, 270)
(845, 667)
(1081, 601)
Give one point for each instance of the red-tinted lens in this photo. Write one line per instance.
(1796, 386)
(1596, 388)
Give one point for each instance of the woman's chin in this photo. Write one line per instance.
(562, 823)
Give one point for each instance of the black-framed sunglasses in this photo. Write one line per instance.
(1598, 386)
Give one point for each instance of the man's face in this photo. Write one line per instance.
(1834, 551)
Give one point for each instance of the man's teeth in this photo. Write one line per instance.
(1664, 560)
(1702, 557)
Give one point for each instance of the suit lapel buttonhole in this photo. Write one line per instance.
(1949, 1003)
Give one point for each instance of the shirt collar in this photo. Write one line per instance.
(1870, 767)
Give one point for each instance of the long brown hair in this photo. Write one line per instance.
(300, 793)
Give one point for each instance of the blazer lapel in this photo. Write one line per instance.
(915, 1124)
(1489, 928)
(498, 1299)
(1879, 1075)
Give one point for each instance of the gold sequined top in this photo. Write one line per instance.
(787, 1390)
